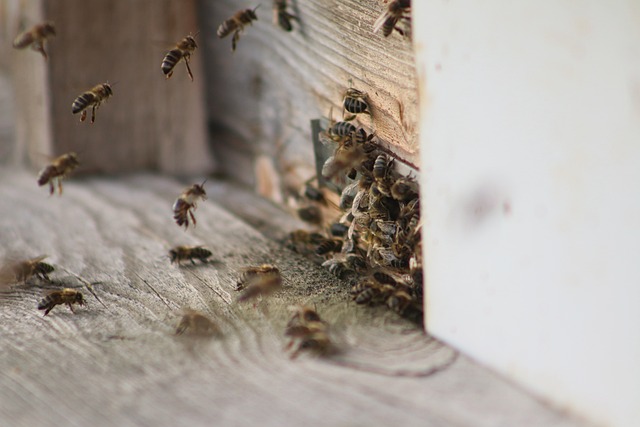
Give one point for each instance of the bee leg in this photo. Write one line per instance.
(193, 262)
(60, 187)
(83, 116)
(349, 118)
(38, 47)
(186, 62)
(234, 40)
(71, 308)
(93, 114)
(193, 218)
(47, 311)
(52, 187)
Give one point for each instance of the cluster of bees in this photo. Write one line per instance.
(375, 245)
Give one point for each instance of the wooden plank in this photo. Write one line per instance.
(263, 96)
(149, 123)
(122, 364)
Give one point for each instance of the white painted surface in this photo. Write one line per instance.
(531, 148)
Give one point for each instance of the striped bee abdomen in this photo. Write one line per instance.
(82, 102)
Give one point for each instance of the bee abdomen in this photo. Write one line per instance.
(82, 102)
(170, 60)
(355, 106)
(343, 129)
(226, 28)
(23, 40)
(46, 175)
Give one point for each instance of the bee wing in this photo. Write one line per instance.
(23, 40)
(380, 21)
(38, 258)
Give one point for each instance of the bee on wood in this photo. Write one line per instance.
(236, 25)
(281, 17)
(261, 280)
(65, 296)
(338, 229)
(35, 37)
(329, 245)
(396, 11)
(354, 102)
(195, 323)
(91, 98)
(310, 214)
(342, 129)
(183, 50)
(189, 253)
(55, 172)
(22, 271)
(303, 241)
(399, 301)
(339, 268)
(184, 205)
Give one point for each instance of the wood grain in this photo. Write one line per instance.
(122, 365)
(262, 97)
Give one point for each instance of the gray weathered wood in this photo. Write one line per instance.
(262, 97)
(122, 364)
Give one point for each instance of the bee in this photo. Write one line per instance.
(310, 214)
(35, 37)
(312, 337)
(398, 301)
(354, 102)
(342, 129)
(262, 280)
(55, 172)
(236, 25)
(191, 253)
(302, 314)
(404, 189)
(338, 229)
(65, 296)
(339, 268)
(346, 158)
(281, 17)
(184, 205)
(329, 245)
(91, 98)
(314, 194)
(22, 271)
(183, 50)
(195, 323)
(301, 241)
(388, 21)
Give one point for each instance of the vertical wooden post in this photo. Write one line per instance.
(149, 122)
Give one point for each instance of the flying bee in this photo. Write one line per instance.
(281, 17)
(183, 50)
(396, 11)
(236, 25)
(55, 172)
(195, 323)
(345, 159)
(312, 337)
(184, 205)
(35, 37)
(91, 98)
(65, 296)
(313, 193)
(262, 280)
(189, 253)
(22, 271)
(354, 102)
(302, 314)
(329, 245)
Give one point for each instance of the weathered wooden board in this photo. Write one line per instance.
(262, 97)
(122, 364)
